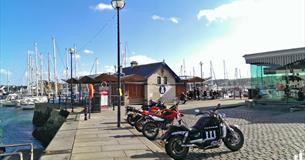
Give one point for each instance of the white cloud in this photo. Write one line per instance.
(156, 17)
(5, 72)
(83, 73)
(163, 19)
(102, 7)
(142, 59)
(88, 51)
(238, 8)
(174, 20)
(109, 69)
(256, 26)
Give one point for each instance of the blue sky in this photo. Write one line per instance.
(206, 30)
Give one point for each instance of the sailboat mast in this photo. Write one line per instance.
(201, 63)
(49, 74)
(75, 61)
(36, 68)
(75, 68)
(28, 71)
(211, 72)
(96, 65)
(8, 87)
(67, 70)
(55, 74)
(184, 70)
(41, 75)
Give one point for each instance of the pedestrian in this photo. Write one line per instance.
(198, 94)
(211, 94)
(205, 94)
(194, 93)
(183, 98)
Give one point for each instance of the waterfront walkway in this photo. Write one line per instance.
(100, 138)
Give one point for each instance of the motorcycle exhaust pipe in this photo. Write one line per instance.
(188, 145)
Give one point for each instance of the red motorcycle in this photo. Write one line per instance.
(135, 117)
(154, 123)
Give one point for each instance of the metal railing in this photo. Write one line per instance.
(12, 154)
(18, 153)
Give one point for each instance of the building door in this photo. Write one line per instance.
(179, 89)
(134, 93)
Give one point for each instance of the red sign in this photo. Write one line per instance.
(91, 90)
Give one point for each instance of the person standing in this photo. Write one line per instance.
(183, 98)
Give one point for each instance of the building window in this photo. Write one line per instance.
(158, 80)
(165, 80)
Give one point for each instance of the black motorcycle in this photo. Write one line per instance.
(207, 133)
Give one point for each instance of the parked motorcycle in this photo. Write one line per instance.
(207, 133)
(155, 110)
(132, 114)
(154, 123)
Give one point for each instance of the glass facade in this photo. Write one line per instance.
(278, 83)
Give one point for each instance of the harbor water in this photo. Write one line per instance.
(16, 127)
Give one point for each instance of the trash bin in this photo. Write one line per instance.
(96, 103)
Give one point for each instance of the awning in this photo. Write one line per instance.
(73, 80)
(280, 57)
(105, 78)
(86, 80)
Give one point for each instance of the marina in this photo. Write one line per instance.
(121, 80)
(16, 127)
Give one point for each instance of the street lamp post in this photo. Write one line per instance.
(118, 4)
(71, 50)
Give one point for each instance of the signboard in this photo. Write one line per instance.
(162, 89)
(104, 92)
(104, 98)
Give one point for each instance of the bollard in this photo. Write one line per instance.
(85, 111)
(90, 108)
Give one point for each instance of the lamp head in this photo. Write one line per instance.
(118, 4)
(71, 50)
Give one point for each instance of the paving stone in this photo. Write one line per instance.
(98, 155)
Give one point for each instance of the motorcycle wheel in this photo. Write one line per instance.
(150, 130)
(174, 149)
(234, 140)
(130, 120)
(139, 126)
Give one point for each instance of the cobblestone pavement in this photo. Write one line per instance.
(269, 134)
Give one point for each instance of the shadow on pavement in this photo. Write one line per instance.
(127, 136)
(204, 155)
(118, 129)
(157, 155)
(113, 123)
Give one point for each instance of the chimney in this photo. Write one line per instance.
(133, 63)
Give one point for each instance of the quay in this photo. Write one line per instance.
(99, 137)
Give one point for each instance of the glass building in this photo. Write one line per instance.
(278, 75)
